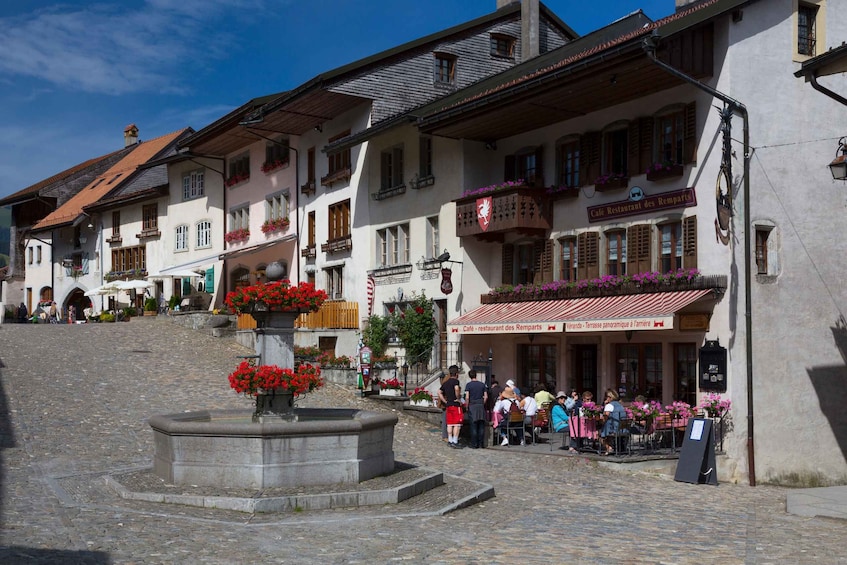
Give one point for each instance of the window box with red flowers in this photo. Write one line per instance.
(611, 181)
(236, 179)
(271, 166)
(275, 225)
(237, 236)
(664, 170)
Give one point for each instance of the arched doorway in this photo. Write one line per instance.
(79, 301)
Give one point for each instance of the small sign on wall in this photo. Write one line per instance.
(694, 322)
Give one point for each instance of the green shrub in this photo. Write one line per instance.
(174, 300)
(106, 317)
(129, 312)
(150, 305)
(375, 334)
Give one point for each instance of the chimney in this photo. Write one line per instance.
(130, 135)
(683, 4)
(530, 26)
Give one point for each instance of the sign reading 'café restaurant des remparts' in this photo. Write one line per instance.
(674, 199)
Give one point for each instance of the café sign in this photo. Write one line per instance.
(683, 198)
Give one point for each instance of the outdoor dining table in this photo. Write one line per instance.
(583, 428)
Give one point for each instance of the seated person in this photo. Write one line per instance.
(613, 414)
(560, 419)
(507, 403)
(573, 402)
(543, 396)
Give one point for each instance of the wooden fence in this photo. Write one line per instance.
(334, 314)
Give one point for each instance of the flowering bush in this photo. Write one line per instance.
(249, 378)
(394, 384)
(280, 296)
(129, 274)
(661, 166)
(269, 166)
(310, 351)
(604, 282)
(327, 359)
(645, 410)
(494, 187)
(714, 405)
(241, 234)
(609, 177)
(421, 394)
(679, 410)
(235, 179)
(416, 328)
(591, 410)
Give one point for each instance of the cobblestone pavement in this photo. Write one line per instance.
(75, 400)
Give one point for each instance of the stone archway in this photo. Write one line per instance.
(79, 301)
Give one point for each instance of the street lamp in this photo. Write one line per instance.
(405, 371)
(838, 166)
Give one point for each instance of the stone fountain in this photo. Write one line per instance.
(300, 447)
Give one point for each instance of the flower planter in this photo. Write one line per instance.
(421, 403)
(614, 184)
(670, 172)
(150, 313)
(274, 405)
(390, 392)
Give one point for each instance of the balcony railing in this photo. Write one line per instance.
(336, 245)
(333, 314)
(522, 209)
(309, 252)
(341, 175)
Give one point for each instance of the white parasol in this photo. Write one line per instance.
(108, 288)
(135, 284)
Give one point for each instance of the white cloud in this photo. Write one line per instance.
(106, 48)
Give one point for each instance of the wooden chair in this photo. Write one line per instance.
(515, 422)
(540, 423)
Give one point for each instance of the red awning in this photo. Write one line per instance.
(653, 311)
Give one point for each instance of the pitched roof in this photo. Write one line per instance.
(62, 176)
(108, 182)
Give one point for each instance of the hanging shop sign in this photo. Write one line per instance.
(683, 198)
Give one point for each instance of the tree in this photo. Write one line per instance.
(416, 328)
(375, 334)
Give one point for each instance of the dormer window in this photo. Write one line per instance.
(445, 69)
(502, 46)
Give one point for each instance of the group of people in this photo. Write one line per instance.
(46, 313)
(499, 403)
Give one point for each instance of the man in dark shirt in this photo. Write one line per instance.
(476, 396)
(450, 394)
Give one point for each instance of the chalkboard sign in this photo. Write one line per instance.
(697, 456)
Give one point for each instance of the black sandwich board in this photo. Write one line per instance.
(697, 457)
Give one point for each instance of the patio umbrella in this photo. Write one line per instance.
(108, 288)
(135, 284)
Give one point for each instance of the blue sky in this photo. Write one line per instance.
(73, 74)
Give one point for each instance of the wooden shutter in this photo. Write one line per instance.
(507, 275)
(588, 255)
(543, 254)
(638, 242)
(589, 157)
(689, 142)
(633, 163)
(645, 144)
(539, 166)
(689, 242)
(384, 168)
(509, 170)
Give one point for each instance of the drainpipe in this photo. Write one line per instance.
(821, 88)
(650, 45)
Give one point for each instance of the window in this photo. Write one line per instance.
(530, 262)
(30, 254)
(433, 244)
(671, 136)
(391, 168)
(425, 169)
(567, 163)
(334, 282)
(150, 217)
(685, 372)
(311, 227)
(182, 238)
(671, 246)
(310, 166)
(38, 254)
(567, 259)
(239, 218)
(339, 220)
(393, 245)
(204, 234)
(536, 365)
(277, 153)
(193, 185)
(116, 223)
(615, 151)
(340, 160)
(639, 247)
(526, 165)
(640, 369)
(588, 251)
(445, 69)
(276, 206)
(239, 169)
(129, 258)
(616, 252)
(502, 46)
(806, 29)
(763, 236)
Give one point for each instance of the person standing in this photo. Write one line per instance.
(450, 394)
(476, 397)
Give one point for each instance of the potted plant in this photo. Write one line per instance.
(391, 387)
(421, 397)
(274, 388)
(611, 181)
(150, 307)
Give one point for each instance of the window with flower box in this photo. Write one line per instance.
(181, 238)
(527, 262)
(616, 252)
(445, 69)
(116, 223)
(639, 246)
(616, 150)
(339, 220)
(193, 184)
(277, 155)
(338, 163)
(311, 250)
(239, 218)
(502, 46)
(204, 234)
(309, 187)
(129, 258)
(150, 218)
(276, 206)
(568, 259)
(239, 169)
(525, 164)
(670, 246)
(588, 251)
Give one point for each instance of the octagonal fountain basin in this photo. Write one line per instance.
(224, 448)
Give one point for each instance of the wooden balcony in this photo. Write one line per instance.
(337, 245)
(336, 177)
(309, 252)
(521, 209)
